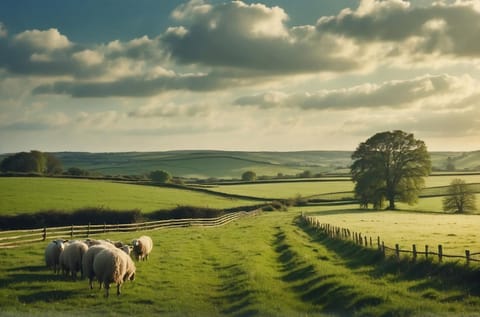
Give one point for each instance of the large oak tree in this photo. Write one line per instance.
(390, 166)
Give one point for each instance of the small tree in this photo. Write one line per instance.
(460, 197)
(249, 176)
(160, 176)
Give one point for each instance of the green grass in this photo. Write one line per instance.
(267, 265)
(34, 194)
(283, 190)
(456, 232)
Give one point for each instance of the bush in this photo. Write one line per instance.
(184, 212)
(160, 177)
(54, 218)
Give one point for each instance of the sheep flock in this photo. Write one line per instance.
(107, 261)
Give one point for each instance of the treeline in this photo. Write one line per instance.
(32, 162)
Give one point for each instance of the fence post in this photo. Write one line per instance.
(378, 243)
(397, 251)
(360, 238)
(440, 253)
(414, 251)
(383, 248)
(71, 231)
(44, 235)
(467, 256)
(426, 251)
(366, 241)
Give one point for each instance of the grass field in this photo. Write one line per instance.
(34, 194)
(283, 190)
(266, 265)
(456, 232)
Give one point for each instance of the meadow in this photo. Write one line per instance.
(267, 265)
(22, 194)
(456, 232)
(327, 188)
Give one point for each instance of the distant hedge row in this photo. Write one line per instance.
(95, 215)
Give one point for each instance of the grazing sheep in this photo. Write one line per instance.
(52, 255)
(112, 265)
(126, 248)
(87, 260)
(71, 258)
(142, 247)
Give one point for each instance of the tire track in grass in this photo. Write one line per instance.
(326, 290)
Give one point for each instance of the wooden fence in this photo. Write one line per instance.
(339, 233)
(15, 238)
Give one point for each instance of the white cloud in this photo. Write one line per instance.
(391, 94)
(48, 40)
(88, 57)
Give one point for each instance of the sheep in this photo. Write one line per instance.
(71, 258)
(142, 247)
(52, 255)
(87, 260)
(112, 265)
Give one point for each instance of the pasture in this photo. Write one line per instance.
(21, 194)
(456, 233)
(328, 188)
(266, 265)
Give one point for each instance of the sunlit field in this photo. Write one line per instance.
(456, 232)
(266, 265)
(286, 189)
(34, 194)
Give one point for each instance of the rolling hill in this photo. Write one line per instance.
(204, 164)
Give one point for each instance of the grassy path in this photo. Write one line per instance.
(267, 265)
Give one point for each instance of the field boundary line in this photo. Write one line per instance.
(345, 234)
(16, 238)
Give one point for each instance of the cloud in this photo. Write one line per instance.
(136, 86)
(48, 40)
(444, 29)
(3, 30)
(253, 37)
(396, 93)
(169, 110)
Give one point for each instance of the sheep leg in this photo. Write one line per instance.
(118, 288)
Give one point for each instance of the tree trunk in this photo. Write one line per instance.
(391, 203)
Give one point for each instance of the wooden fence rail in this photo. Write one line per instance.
(339, 233)
(15, 238)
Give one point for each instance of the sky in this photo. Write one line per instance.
(148, 75)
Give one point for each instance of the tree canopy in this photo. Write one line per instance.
(249, 176)
(32, 162)
(389, 166)
(460, 198)
(160, 176)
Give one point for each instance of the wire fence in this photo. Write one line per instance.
(16, 238)
(426, 251)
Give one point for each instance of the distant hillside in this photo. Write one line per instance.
(231, 164)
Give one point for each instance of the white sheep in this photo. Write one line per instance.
(87, 260)
(142, 247)
(71, 258)
(112, 265)
(52, 255)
